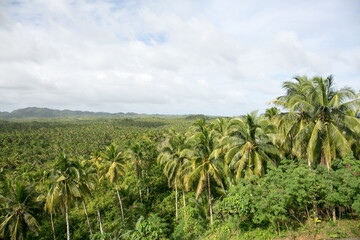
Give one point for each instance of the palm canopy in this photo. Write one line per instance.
(318, 122)
(114, 163)
(252, 147)
(223, 137)
(174, 156)
(205, 165)
(66, 184)
(141, 152)
(21, 206)
(222, 126)
(114, 169)
(272, 113)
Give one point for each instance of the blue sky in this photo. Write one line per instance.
(171, 57)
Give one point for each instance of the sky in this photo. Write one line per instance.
(217, 57)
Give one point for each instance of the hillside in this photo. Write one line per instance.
(36, 112)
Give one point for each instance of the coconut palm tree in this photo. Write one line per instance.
(174, 156)
(140, 153)
(223, 129)
(318, 122)
(115, 169)
(96, 160)
(66, 186)
(252, 148)
(87, 183)
(205, 165)
(21, 208)
(272, 113)
(50, 208)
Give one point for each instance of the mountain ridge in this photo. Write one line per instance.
(38, 112)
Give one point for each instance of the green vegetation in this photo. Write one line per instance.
(283, 174)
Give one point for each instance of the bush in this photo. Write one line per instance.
(150, 228)
(292, 194)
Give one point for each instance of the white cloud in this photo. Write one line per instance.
(223, 57)
(294, 57)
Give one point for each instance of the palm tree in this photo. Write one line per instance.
(21, 206)
(96, 162)
(319, 116)
(87, 182)
(252, 149)
(115, 169)
(224, 138)
(66, 186)
(272, 113)
(355, 145)
(174, 157)
(205, 165)
(140, 154)
(50, 208)
(294, 121)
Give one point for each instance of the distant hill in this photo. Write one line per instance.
(3, 114)
(35, 112)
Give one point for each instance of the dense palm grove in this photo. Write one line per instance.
(175, 179)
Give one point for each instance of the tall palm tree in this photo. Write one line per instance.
(21, 206)
(140, 153)
(66, 186)
(321, 119)
(87, 183)
(174, 156)
(205, 165)
(50, 207)
(252, 148)
(115, 169)
(96, 160)
(224, 138)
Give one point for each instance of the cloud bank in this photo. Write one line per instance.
(171, 57)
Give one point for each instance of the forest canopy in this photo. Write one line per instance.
(284, 172)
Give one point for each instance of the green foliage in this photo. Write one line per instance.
(356, 204)
(290, 195)
(99, 236)
(152, 227)
(20, 210)
(190, 227)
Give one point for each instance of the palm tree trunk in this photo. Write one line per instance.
(147, 188)
(120, 202)
(52, 225)
(87, 217)
(67, 219)
(176, 202)
(184, 202)
(140, 193)
(99, 220)
(334, 214)
(210, 203)
(98, 214)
